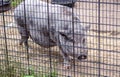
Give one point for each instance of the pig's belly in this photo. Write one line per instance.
(44, 41)
(46, 44)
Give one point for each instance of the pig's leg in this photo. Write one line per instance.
(24, 40)
(23, 30)
(24, 36)
(66, 59)
(60, 43)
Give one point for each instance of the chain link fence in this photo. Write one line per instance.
(102, 40)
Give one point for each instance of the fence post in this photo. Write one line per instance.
(99, 60)
(28, 64)
(5, 38)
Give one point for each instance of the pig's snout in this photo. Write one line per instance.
(81, 57)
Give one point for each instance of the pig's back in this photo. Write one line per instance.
(37, 9)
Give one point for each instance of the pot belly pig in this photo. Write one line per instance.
(52, 25)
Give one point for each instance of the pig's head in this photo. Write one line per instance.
(73, 40)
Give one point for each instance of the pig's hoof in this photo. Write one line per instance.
(21, 42)
(26, 46)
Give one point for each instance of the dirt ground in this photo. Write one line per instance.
(104, 50)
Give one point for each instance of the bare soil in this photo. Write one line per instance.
(103, 42)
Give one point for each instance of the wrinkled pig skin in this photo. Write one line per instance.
(52, 25)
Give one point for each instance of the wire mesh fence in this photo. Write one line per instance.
(59, 37)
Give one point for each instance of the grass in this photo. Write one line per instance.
(16, 70)
(12, 72)
(40, 74)
(107, 57)
(14, 3)
(7, 71)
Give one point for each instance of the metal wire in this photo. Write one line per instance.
(103, 41)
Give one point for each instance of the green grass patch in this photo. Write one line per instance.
(15, 69)
(14, 3)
